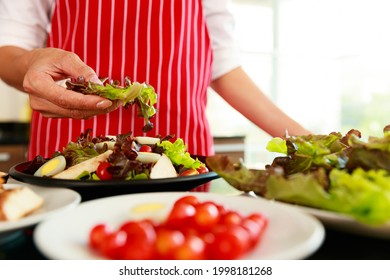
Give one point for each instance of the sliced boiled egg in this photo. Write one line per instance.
(110, 143)
(156, 211)
(163, 168)
(52, 167)
(145, 140)
(146, 157)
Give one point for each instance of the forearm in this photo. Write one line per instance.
(241, 93)
(14, 61)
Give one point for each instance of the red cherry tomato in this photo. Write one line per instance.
(189, 199)
(206, 216)
(230, 242)
(253, 229)
(189, 172)
(259, 219)
(255, 224)
(167, 241)
(193, 248)
(98, 234)
(140, 231)
(138, 251)
(141, 237)
(230, 218)
(102, 171)
(202, 169)
(193, 230)
(145, 148)
(221, 208)
(113, 244)
(180, 215)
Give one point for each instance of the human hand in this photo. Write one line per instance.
(45, 67)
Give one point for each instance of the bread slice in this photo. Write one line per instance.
(17, 203)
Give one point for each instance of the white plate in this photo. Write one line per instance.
(344, 222)
(291, 234)
(55, 201)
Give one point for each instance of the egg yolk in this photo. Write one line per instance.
(154, 211)
(148, 207)
(50, 166)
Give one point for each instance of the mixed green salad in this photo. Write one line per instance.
(120, 157)
(335, 172)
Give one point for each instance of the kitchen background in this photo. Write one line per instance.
(325, 62)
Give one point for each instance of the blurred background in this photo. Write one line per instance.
(325, 62)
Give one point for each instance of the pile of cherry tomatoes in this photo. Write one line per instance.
(193, 230)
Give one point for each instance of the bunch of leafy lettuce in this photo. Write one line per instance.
(140, 94)
(333, 172)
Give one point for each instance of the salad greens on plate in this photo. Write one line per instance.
(120, 157)
(335, 172)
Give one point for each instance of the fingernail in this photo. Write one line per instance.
(103, 104)
(95, 79)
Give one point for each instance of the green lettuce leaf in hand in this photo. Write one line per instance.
(142, 95)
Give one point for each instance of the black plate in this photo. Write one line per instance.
(97, 189)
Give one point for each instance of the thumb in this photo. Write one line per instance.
(75, 67)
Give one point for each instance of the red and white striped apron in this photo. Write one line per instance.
(164, 43)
